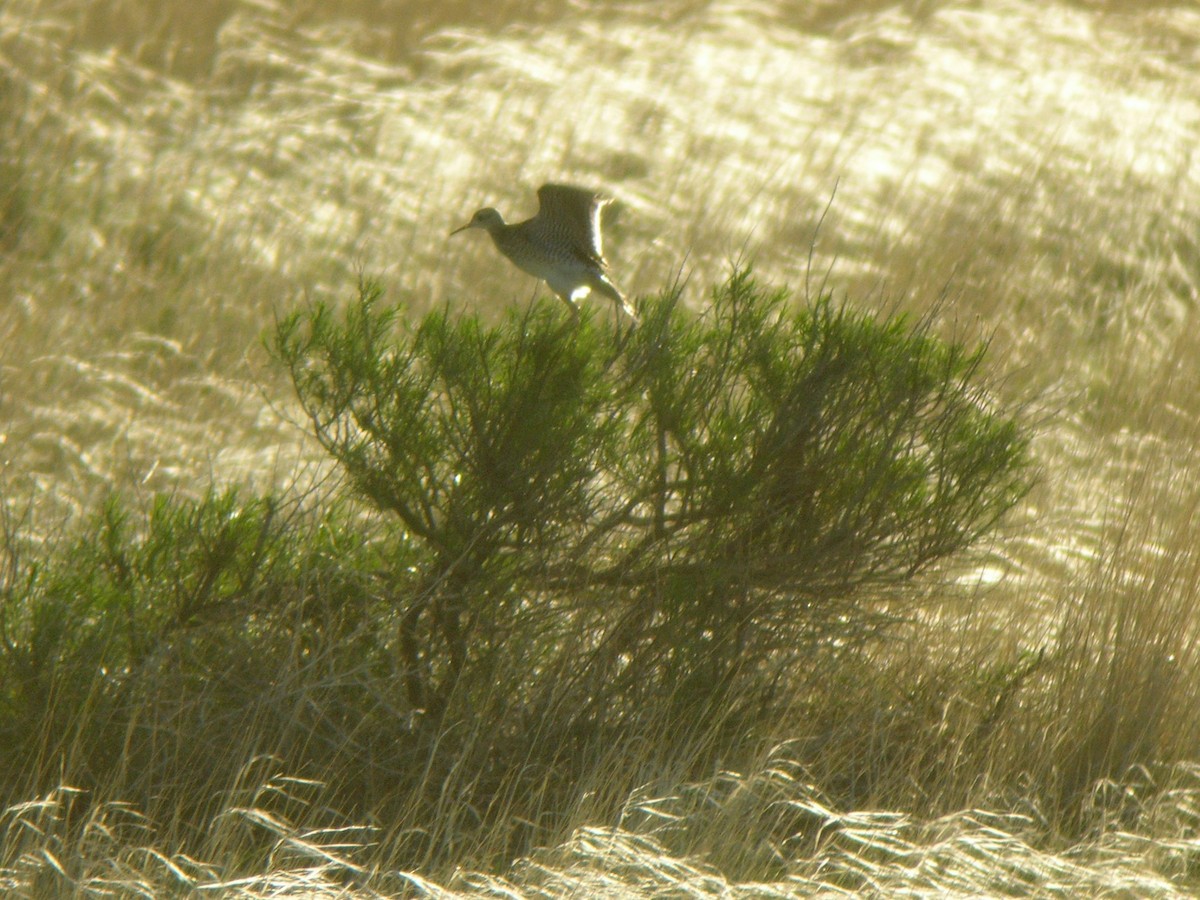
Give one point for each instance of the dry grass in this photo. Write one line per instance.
(174, 174)
(791, 841)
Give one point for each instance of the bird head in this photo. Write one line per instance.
(486, 218)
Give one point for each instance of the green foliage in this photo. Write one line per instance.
(607, 520)
(115, 648)
(584, 539)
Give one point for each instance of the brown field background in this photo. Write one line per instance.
(174, 176)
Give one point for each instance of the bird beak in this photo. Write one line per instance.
(457, 230)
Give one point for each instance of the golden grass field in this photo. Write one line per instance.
(174, 177)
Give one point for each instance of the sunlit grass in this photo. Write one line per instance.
(792, 840)
(175, 175)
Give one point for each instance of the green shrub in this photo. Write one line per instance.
(597, 550)
(612, 523)
(158, 648)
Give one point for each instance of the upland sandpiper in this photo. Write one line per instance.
(562, 245)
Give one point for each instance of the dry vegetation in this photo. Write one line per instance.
(174, 177)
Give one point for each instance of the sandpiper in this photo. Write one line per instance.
(561, 245)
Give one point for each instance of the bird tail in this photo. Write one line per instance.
(608, 289)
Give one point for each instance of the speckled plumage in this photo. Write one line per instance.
(562, 245)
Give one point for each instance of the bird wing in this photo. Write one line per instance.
(575, 212)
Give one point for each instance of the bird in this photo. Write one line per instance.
(561, 245)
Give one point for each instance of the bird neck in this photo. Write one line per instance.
(500, 231)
